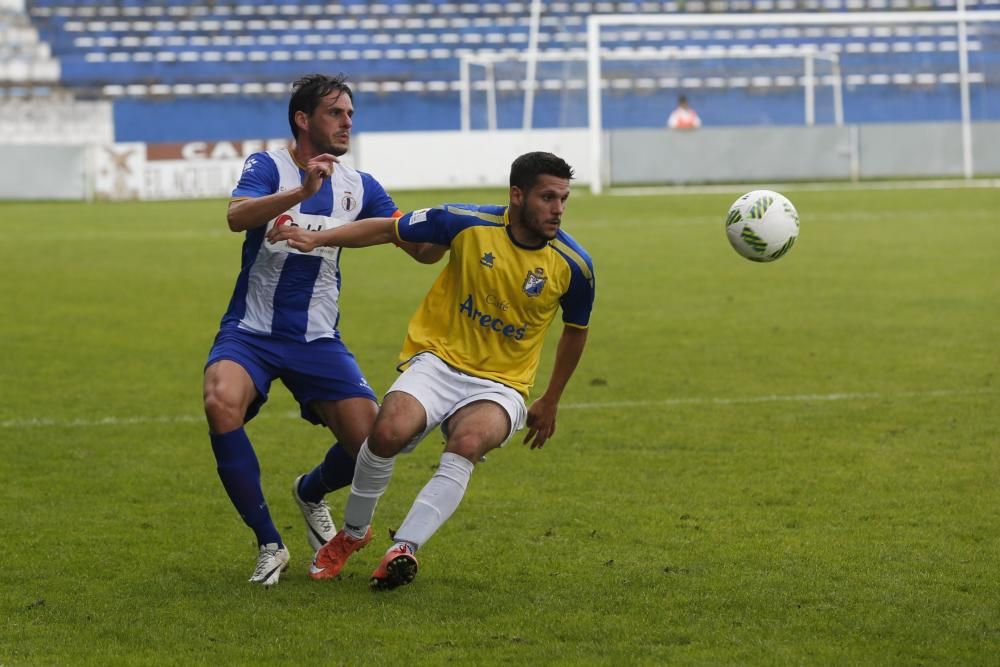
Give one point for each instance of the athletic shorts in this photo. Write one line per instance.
(443, 390)
(321, 370)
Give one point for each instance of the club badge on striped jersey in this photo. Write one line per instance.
(348, 202)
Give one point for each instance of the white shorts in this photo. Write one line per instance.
(443, 390)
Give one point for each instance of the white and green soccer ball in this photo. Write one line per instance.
(762, 225)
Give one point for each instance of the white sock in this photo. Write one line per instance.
(437, 501)
(371, 478)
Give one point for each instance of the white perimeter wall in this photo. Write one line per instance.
(423, 160)
(400, 161)
(429, 160)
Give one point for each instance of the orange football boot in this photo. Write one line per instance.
(333, 555)
(398, 568)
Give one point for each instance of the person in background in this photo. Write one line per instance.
(683, 117)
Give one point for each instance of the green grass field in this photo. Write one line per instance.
(791, 463)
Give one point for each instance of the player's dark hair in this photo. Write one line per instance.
(525, 170)
(309, 90)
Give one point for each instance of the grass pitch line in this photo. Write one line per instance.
(665, 402)
(832, 186)
(101, 421)
(791, 398)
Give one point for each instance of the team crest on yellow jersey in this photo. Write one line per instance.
(534, 283)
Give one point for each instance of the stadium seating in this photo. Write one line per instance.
(58, 120)
(144, 54)
(25, 60)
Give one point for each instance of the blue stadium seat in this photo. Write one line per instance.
(391, 45)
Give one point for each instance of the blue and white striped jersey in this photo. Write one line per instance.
(283, 292)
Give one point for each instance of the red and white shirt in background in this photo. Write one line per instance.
(683, 118)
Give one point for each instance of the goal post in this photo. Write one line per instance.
(597, 55)
(488, 61)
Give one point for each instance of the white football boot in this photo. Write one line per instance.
(320, 528)
(271, 562)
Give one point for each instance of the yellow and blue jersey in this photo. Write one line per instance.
(489, 309)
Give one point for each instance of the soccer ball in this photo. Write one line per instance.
(762, 225)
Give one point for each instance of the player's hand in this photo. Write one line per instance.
(297, 237)
(317, 169)
(541, 422)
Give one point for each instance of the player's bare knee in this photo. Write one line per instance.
(386, 440)
(223, 415)
(385, 446)
(468, 446)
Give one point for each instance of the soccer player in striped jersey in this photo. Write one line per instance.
(471, 351)
(282, 320)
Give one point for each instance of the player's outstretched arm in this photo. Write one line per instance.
(358, 234)
(425, 253)
(245, 214)
(542, 413)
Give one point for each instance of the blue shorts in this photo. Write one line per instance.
(321, 370)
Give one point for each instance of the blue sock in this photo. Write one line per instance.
(240, 474)
(335, 472)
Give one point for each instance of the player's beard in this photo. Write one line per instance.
(325, 144)
(534, 224)
(338, 150)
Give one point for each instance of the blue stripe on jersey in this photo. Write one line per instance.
(336, 323)
(259, 177)
(488, 213)
(293, 294)
(578, 301)
(377, 203)
(320, 203)
(441, 224)
(574, 253)
(238, 304)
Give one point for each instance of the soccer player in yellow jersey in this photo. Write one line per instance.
(471, 350)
